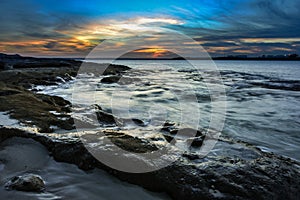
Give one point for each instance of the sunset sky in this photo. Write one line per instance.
(72, 28)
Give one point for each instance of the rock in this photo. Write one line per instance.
(138, 122)
(26, 74)
(191, 156)
(130, 143)
(40, 110)
(110, 79)
(113, 69)
(27, 182)
(29, 77)
(106, 118)
(103, 69)
(56, 101)
(43, 111)
(168, 126)
(96, 107)
(240, 172)
(8, 92)
(119, 79)
(169, 138)
(41, 64)
(133, 121)
(187, 132)
(197, 141)
(2, 65)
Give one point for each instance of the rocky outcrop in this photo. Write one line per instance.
(234, 171)
(28, 78)
(30, 71)
(39, 110)
(43, 111)
(17, 61)
(27, 182)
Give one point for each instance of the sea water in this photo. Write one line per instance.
(262, 97)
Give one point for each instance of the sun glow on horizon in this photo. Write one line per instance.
(154, 52)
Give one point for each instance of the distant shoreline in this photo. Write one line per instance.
(213, 58)
(17, 56)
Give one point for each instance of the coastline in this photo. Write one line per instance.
(217, 176)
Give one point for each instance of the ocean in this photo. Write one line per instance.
(262, 98)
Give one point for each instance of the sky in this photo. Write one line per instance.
(73, 28)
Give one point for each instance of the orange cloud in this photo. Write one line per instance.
(269, 40)
(154, 52)
(79, 40)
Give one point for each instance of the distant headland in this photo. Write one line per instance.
(285, 57)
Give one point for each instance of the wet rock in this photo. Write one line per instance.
(43, 111)
(138, 122)
(2, 65)
(103, 69)
(169, 138)
(187, 132)
(130, 143)
(110, 79)
(259, 176)
(196, 142)
(168, 126)
(30, 71)
(115, 69)
(42, 64)
(119, 79)
(31, 76)
(27, 182)
(35, 109)
(263, 176)
(133, 121)
(97, 107)
(106, 118)
(191, 156)
(8, 92)
(56, 101)
(187, 70)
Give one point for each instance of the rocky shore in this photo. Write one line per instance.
(233, 170)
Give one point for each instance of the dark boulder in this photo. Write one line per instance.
(106, 118)
(197, 141)
(119, 79)
(110, 79)
(27, 182)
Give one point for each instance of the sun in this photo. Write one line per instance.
(154, 52)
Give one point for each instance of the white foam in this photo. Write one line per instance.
(5, 120)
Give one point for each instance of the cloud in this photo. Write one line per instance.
(221, 26)
(78, 39)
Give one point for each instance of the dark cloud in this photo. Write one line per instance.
(247, 19)
(214, 23)
(50, 45)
